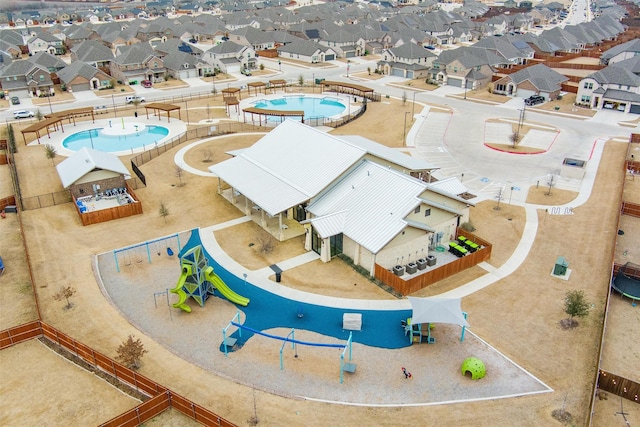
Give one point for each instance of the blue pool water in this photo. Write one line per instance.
(97, 140)
(313, 107)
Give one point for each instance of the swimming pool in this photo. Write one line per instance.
(116, 138)
(313, 107)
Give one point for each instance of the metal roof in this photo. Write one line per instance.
(86, 160)
(288, 166)
(369, 205)
(390, 154)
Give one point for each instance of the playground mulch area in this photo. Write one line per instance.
(519, 315)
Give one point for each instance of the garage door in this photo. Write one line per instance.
(351, 54)
(454, 82)
(635, 108)
(525, 93)
(398, 72)
(329, 57)
(409, 74)
(80, 87)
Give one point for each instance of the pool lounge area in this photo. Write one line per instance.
(108, 205)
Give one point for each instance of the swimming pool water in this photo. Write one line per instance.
(95, 139)
(313, 107)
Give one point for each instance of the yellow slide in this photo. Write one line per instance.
(182, 295)
(222, 287)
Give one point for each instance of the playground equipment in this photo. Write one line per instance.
(475, 367)
(433, 310)
(137, 252)
(1, 266)
(348, 366)
(198, 281)
(627, 282)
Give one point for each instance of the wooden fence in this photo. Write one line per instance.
(619, 386)
(7, 201)
(631, 209)
(421, 281)
(160, 400)
(116, 212)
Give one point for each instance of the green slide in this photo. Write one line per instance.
(182, 295)
(210, 276)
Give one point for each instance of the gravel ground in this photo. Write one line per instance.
(315, 372)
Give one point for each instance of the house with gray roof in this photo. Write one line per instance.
(25, 78)
(534, 80)
(50, 62)
(181, 65)
(409, 61)
(230, 57)
(79, 76)
(513, 49)
(249, 36)
(621, 52)
(468, 67)
(306, 51)
(616, 87)
(45, 42)
(92, 52)
(137, 64)
(346, 44)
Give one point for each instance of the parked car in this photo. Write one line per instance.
(429, 47)
(15, 100)
(23, 114)
(534, 100)
(131, 98)
(245, 71)
(146, 83)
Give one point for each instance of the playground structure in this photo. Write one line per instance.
(627, 282)
(474, 367)
(198, 281)
(432, 310)
(345, 366)
(137, 253)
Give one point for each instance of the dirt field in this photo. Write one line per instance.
(519, 315)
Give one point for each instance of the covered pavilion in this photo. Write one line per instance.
(158, 106)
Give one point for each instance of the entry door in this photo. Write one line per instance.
(316, 242)
(336, 244)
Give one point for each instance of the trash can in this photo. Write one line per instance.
(431, 260)
(278, 277)
(560, 269)
(135, 114)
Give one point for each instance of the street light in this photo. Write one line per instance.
(115, 112)
(404, 137)
(50, 109)
(279, 65)
(413, 109)
(348, 65)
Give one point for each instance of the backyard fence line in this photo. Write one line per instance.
(161, 398)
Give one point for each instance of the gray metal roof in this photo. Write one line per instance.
(86, 160)
(369, 205)
(288, 166)
(390, 154)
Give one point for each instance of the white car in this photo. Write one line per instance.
(131, 98)
(22, 114)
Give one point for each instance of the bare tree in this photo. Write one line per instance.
(65, 293)
(130, 352)
(404, 98)
(50, 152)
(514, 138)
(179, 174)
(163, 211)
(550, 184)
(499, 198)
(207, 155)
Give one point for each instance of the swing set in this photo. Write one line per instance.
(348, 366)
(136, 253)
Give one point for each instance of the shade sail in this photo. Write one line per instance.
(437, 310)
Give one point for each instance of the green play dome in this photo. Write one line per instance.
(475, 367)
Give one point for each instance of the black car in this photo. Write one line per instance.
(534, 100)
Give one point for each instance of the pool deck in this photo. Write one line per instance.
(176, 128)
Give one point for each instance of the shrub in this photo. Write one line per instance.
(468, 226)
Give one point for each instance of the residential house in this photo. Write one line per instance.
(45, 42)
(344, 43)
(409, 61)
(534, 80)
(94, 53)
(181, 65)
(79, 76)
(136, 64)
(52, 63)
(616, 87)
(176, 45)
(249, 36)
(514, 50)
(230, 57)
(469, 67)
(25, 78)
(621, 52)
(306, 51)
(9, 49)
(344, 209)
(76, 34)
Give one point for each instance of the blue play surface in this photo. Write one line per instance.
(266, 311)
